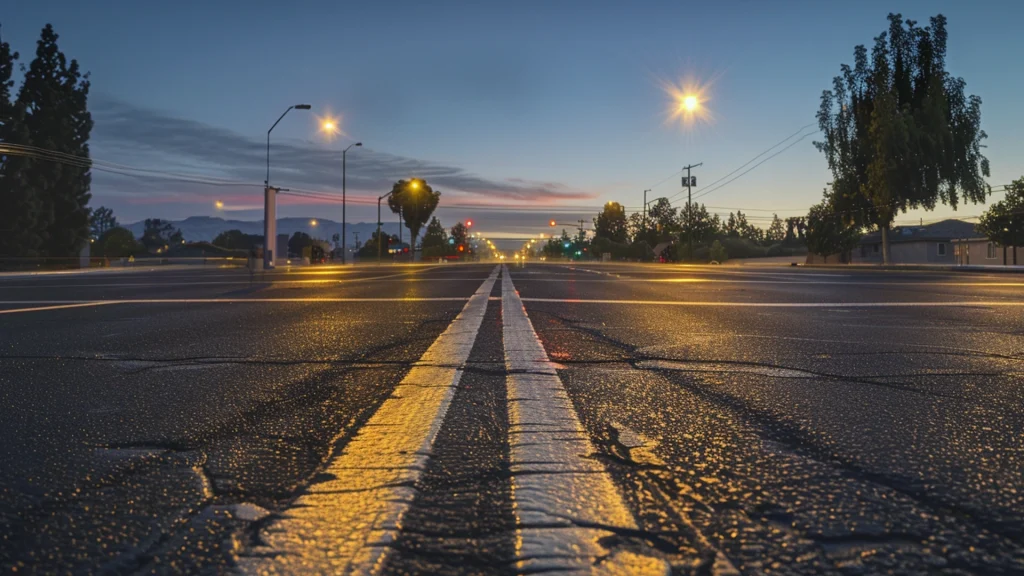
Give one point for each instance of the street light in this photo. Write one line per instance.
(297, 107)
(270, 200)
(344, 153)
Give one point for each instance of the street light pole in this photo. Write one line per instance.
(270, 199)
(379, 247)
(344, 241)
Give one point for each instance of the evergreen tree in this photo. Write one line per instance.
(20, 233)
(435, 234)
(776, 231)
(53, 101)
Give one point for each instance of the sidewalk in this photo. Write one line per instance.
(1009, 269)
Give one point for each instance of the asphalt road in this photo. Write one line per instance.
(488, 419)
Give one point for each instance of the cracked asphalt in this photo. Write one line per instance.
(753, 419)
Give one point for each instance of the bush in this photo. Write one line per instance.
(641, 250)
(718, 253)
(118, 242)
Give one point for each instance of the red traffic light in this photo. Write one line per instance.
(551, 223)
(462, 248)
(469, 223)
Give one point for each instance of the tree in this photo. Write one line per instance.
(776, 230)
(459, 233)
(702, 224)
(795, 228)
(641, 229)
(718, 253)
(899, 133)
(665, 218)
(21, 233)
(157, 234)
(53, 99)
(298, 242)
(118, 242)
(611, 223)
(102, 219)
(828, 232)
(415, 200)
(1003, 222)
(237, 240)
(435, 234)
(369, 250)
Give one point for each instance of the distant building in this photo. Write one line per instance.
(951, 242)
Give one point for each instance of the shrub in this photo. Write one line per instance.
(718, 253)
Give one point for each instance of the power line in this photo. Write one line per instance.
(741, 174)
(773, 147)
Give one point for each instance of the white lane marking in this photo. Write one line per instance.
(974, 304)
(347, 524)
(237, 300)
(730, 281)
(238, 282)
(562, 497)
(55, 307)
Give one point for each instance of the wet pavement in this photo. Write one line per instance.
(747, 420)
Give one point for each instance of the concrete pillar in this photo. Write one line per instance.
(269, 227)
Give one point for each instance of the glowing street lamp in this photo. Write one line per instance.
(218, 205)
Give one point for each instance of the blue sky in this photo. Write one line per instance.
(524, 102)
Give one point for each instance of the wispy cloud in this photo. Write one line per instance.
(131, 134)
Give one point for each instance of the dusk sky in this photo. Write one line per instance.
(528, 103)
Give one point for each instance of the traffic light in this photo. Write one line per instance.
(469, 223)
(451, 240)
(462, 247)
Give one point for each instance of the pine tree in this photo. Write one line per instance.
(19, 227)
(53, 100)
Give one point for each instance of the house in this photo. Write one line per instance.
(977, 250)
(927, 244)
(950, 242)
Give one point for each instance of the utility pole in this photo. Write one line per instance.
(645, 208)
(582, 222)
(689, 183)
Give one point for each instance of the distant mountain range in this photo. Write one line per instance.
(206, 228)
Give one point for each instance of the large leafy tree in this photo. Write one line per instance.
(415, 200)
(899, 132)
(611, 223)
(828, 232)
(53, 100)
(1003, 222)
